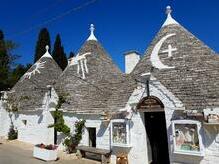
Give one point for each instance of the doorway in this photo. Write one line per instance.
(155, 124)
(92, 137)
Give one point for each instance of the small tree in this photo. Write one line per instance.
(6, 61)
(59, 122)
(43, 40)
(71, 141)
(58, 53)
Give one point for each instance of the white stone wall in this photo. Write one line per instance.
(36, 129)
(3, 121)
(138, 153)
(102, 131)
(173, 108)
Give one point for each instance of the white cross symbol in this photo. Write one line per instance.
(169, 50)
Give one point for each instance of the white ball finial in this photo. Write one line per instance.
(168, 10)
(47, 48)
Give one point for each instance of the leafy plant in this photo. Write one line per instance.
(71, 142)
(11, 105)
(60, 125)
(79, 126)
(12, 134)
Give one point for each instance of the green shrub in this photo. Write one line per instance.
(12, 134)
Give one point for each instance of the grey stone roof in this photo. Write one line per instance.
(30, 90)
(89, 95)
(195, 78)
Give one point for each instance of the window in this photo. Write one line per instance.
(187, 137)
(24, 122)
(120, 132)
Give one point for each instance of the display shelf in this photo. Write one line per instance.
(206, 123)
(187, 139)
(121, 145)
(200, 154)
(120, 133)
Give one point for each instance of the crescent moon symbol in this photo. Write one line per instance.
(155, 60)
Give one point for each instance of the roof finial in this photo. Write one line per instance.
(47, 54)
(169, 19)
(92, 37)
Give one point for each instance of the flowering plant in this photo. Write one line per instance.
(48, 147)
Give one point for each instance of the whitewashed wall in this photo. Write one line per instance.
(173, 109)
(92, 121)
(35, 131)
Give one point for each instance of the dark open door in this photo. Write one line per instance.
(92, 137)
(155, 124)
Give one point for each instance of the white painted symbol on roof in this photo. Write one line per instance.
(169, 50)
(36, 69)
(81, 61)
(155, 60)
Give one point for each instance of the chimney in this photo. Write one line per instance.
(131, 60)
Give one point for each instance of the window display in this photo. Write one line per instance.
(211, 116)
(187, 137)
(120, 132)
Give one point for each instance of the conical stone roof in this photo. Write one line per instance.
(184, 65)
(29, 92)
(88, 78)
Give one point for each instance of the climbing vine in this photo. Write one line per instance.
(72, 141)
(59, 124)
(11, 105)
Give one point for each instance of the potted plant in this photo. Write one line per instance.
(45, 152)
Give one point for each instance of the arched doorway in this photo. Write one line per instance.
(155, 124)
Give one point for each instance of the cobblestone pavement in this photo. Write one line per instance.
(14, 153)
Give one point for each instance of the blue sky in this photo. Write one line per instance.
(121, 25)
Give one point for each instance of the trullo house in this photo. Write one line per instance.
(30, 101)
(164, 109)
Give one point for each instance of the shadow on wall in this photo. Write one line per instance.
(211, 137)
(102, 129)
(60, 138)
(40, 119)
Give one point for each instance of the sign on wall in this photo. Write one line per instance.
(150, 104)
